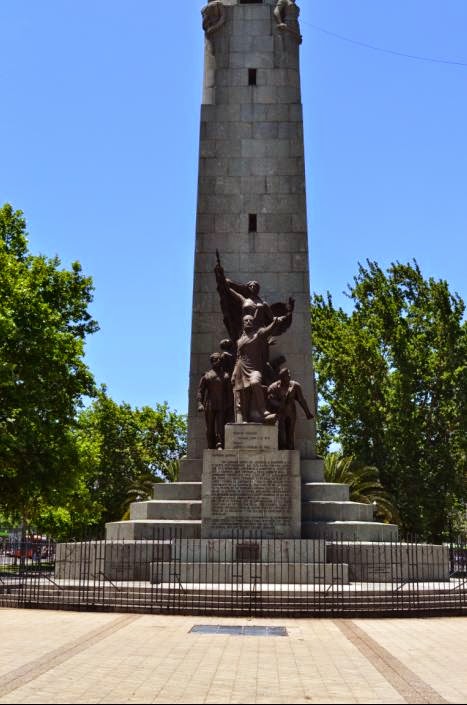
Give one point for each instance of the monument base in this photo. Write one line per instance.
(251, 487)
(240, 561)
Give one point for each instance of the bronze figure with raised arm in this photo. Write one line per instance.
(239, 300)
(247, 377)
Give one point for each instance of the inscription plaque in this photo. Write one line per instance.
(251, 491)
(247, 552)
(251, 436)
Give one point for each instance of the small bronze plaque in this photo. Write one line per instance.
(247, 552)
(237, 630)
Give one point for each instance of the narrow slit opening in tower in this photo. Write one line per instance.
(251, 2)
(252, 223)
(252, 76)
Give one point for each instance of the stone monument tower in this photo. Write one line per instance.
(258, 474)
(251, 188)
(251, 232)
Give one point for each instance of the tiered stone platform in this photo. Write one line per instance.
(269, 498)
(253, 515)
(326, 510)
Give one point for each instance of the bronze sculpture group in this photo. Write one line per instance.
(244, 385)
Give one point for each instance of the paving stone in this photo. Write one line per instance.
(155, 659)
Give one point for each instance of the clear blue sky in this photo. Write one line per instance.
(99, 139)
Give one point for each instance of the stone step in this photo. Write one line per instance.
(146, 529)
(177, 491)
(174, 510)
(337, 511)
(325, 492)
(252, 573)
(349, 530)
(312, 470)
(191, 470)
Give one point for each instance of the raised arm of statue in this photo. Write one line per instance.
(234, 293)
(277, 326)
(227, 286)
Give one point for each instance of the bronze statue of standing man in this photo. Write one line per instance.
(247, 377)
(213, 399)
(282, 396)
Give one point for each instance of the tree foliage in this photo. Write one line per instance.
(122, 448)
(364, 484)
(392, 377)
(44, 320)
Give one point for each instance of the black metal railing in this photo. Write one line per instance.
(245, 574)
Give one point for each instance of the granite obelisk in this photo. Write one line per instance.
(251, 189)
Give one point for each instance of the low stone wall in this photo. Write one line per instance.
(109, 560)
(222, 574)
(297, 561)
(391, 562)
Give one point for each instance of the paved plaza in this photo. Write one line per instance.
(68, 657)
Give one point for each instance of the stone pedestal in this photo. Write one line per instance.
(251, 486)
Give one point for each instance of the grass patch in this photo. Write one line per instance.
(9, 569)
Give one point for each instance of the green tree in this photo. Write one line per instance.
(44, 320)
(392, 377)
(121, 448)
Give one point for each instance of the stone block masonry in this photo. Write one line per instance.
(251, 162)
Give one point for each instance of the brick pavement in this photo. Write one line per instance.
(66, 657)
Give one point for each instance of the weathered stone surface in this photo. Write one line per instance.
(388, 561)
(251, 573)
(350, 530)
(191, 470)
(149, 560)
(325, 491)
(312, 470)
(246, 550)
(147, 529)
(173, 509)
(252, 491)
(337, 510)
(177, 491)
(109, 560)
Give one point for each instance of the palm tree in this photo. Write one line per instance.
(170, 470)
(140, 490)
(364, 483)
